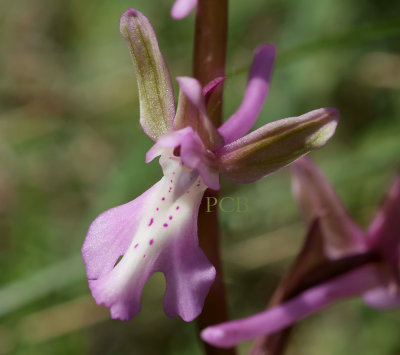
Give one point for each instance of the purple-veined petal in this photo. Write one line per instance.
(199, 120)
(256, 92)
(228, 334)
(316, 198)
(156, 233)
(182, 8)
(192, 152)
(157, 104)
(276, 145)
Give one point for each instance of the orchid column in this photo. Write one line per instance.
(208, 64)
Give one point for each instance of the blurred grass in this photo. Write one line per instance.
(71, 147)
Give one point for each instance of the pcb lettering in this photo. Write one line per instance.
(228, 204)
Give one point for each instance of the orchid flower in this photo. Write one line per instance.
(182, 8)
(342, 237)
(157, 232)
(377, 281)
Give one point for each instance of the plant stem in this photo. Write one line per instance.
(209, 63)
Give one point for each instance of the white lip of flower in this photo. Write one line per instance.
(171, 208)
(177, 191)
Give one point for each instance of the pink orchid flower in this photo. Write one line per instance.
(157, 232)
(182, 8)
(377, 281)
(343, 237)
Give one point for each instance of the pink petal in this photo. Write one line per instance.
(256, 92)
(188, 273)
(110, 234)
(194, 155)
(228, 334)
(182, 8)
(193, 91)
(316, 198)
(171, 140)
(192, 152)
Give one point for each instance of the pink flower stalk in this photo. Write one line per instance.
(378, 282)
(157, 232)
(182, 8)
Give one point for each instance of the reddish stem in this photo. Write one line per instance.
(209, 63)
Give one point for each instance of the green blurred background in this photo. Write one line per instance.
(71, 147)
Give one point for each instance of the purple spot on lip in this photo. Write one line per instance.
(151, 241)
(165, 225)
(163, 199)
(151, 222)
(170, 217)
(198, 185)
(137, 244)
